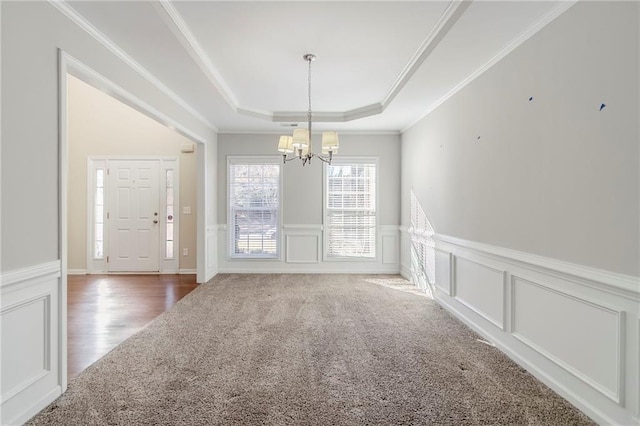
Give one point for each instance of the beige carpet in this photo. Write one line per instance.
(306, 350)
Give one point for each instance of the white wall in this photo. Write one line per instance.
(33, 282)
(302, 205)
(535, 205)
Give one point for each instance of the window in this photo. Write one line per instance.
(254, 207)
(350, 209)
(168, 243)
(98, 232)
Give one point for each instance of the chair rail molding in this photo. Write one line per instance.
(620, 284)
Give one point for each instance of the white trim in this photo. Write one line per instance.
(303, 226)
(46, 367)
(36, 272)
(558, 10)
(287, 129)
(498, 323)
(187, 271)
(455, 9)
(36, 407)
(94, 264)
(78, 69)
(81, 22)
(63, 224)
(448, 289)
(76, 272)
(616, 396)
(198, 54)
(324, 269)
(637, 419)
(624, 285)
(302, 234)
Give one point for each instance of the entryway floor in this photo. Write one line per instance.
(104, 310)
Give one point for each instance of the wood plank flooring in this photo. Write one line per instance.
(104, 310)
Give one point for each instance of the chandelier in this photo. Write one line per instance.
(300, 143)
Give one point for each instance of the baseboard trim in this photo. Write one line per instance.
(187, 271)
(76, 272)
(35, 408)
(310, 271)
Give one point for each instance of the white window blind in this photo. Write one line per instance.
(254, 209)
(351, 210)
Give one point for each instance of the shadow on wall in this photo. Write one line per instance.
(423, 254)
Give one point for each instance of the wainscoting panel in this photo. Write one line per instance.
(212, 249)
(302, 252)
(302, 248)
(579, 327)
(26, 355)
(443, 271)
(481, 288)
(574, 327)
(390, 239)
(30, 322)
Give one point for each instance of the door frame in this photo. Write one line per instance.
(67, 64)
(166, 265)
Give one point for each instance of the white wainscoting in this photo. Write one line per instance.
(211, 242)
(480, 288)
(593, 322)
(302, 252)
(29, 314)
(575, 328)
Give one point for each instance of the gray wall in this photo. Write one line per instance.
(302, 186)
(553, 176)
(31, 34)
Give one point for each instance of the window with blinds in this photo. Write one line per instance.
(254, 208)
(350, 210)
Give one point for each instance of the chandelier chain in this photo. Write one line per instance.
(309, 110)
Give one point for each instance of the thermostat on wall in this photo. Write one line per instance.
(188, 147)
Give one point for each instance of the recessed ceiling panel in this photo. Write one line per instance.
(362, 47)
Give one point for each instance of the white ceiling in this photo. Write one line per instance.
(381, 65)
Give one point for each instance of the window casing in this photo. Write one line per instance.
(350, 206)
(254, 188)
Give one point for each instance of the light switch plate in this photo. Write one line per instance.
(186, 210)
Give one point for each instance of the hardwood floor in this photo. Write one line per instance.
(103, 310)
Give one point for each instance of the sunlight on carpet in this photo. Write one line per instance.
(402, 285)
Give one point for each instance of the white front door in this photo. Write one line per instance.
(133, 216)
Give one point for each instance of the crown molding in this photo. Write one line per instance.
(287, 130)
(63, 7)
(197, 52)
(558, 10)
(73, 66)
(452, 13)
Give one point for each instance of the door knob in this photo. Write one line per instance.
(155, 221)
